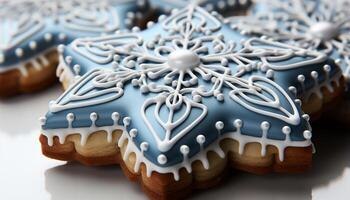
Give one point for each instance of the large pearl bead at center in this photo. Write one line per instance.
(183, 59)
(324, 30)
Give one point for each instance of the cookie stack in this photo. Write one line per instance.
(178, 93)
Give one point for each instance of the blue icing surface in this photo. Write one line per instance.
(181, 48)
(165, 6)
(314, 24)
(49, 23)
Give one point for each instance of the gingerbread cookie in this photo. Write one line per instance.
(32, 29)
(179, 102)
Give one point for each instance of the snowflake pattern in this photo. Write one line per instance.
(185, 83)
(31, 27)
(312, 24)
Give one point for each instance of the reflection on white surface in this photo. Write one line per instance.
(73, 181)
(26, 174)
(25, 109)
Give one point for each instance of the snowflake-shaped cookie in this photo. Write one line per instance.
(313, 24)
(173, 94)
(31, 28)
(181, 87)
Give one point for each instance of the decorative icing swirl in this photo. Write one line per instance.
(320, 25)
(179, 79)
(31, 27)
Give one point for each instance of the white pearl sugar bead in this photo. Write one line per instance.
(70, 117)
(200, 139)
(301, 78)
(270, 73)
(62, 36)
(60, 48)
(42, 121)
(144, 89)
(327, 68)
(115, 116)
(238, 123)
(197, 98)
(116, 58)
(314, 74)
(306, 117)
(135, 29)
(69, 59)
(224, 62)
(265, 125)
(32, 45)
(150, 24)
(126, 121)
(231, 2)
(293, 90)
(76, 69)
(286, 130)
(220, 97)
(144, 146)
(184, 149)
(219, 125)
(307, 134)
(134, 82)
(298, 101)
(93, 116)
(133, 133)
(221, 5)
(48, 37)
(131, 64)
(338, 61)
(161, 18)
(162, 159)
(19, 52)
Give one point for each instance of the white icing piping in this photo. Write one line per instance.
(63, 71)
(75, 19)
(168, 142)
(29, 26)
(237, 135)
(202, 154)
(38, 62)
(319, 26)
(317, 86)
(84, 132)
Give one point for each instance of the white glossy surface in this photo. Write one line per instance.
(26, 174)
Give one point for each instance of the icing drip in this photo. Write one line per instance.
(179, 80)
(187, 162)
(38, 62)
(85, 132)
(30, 23)
(64, 73)
(320, 25)
(318, 85)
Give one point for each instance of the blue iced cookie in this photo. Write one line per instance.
(32, 29)
(320, 25)
(222, 6)
(176, 103)
(313, 24)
